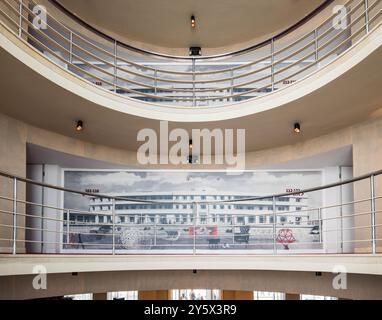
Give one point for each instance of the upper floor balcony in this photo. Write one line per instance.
(196, 80)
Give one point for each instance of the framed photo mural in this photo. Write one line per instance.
(192, 211)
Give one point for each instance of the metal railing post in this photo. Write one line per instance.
(71, 47)
(155, 231)
(320, 223)
(373, 231)
(113, 224)
(367, 15)
(14, 244)
(156, 81)
(67, 226)
(273, 64)
(316, 45)
(232, 83)
(115, 65)
(194, 233)
(43, 201)
(274, 224)
(193, 84)
(233, 229)
(21, 18)
(341, 222)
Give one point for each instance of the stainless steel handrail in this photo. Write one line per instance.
(282, 34)
(219, 71)
(82, 229)
(246, 65)
(193, 90)
(135, 200)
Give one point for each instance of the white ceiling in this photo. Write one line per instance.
(166, 23)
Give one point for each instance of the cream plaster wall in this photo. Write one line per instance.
(367, 156)
(358, 286)
(365, 138)
(12, 159)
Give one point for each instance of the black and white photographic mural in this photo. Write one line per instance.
(203, 211)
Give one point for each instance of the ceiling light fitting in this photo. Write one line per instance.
(193, 22)
(297, 128)
(80, 125)
(195, 51)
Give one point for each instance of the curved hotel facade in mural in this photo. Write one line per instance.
(205, 218)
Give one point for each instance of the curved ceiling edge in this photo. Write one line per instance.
(247, 44)
(103, 98)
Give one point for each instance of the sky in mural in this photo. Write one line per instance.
(127, 182)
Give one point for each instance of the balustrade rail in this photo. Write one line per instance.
(191, 81)
(138, 225)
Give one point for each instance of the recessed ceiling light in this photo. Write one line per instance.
(80, 125)
(193, 22)
(297, 128)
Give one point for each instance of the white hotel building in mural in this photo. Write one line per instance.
(180, 209)
(201, 220)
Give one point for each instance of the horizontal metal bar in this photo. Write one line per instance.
(208, 220)
(95, 67)
(57, 232)
(229, 54)
(322, 46)
(351, 228)
(104, 196)
(201, 90)
(185, 245)
(137, 74)
(349, 216)
(107, 52)
(161, 70)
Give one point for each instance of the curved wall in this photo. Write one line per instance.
(350, 86)
(359, 286)
(365, 139)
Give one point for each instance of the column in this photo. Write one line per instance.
(46, 232)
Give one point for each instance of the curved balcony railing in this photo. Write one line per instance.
(351, 226)
(192, 81)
